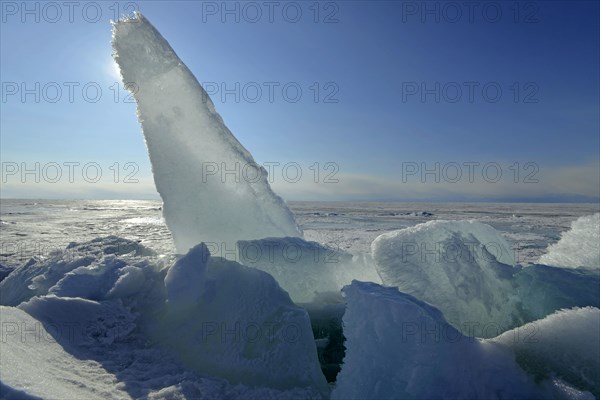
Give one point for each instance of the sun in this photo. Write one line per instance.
(112, 69)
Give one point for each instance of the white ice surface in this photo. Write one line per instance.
(566, 343)
(4, 272)
(578, 247)
(454, 265)
(190, 149)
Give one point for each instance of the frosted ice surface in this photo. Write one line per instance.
(566, 343)
(458, 266)
(406, 349)
(102, 322)
(305, 269)
(236, 322)
(542, 290)
(191, 149)
(400, 347)
(578, 247)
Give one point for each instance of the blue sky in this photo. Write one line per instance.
(388, 90)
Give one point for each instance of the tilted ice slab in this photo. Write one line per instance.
(462, 267)
(566, 343)
(448, 264)
(578, 247)
(191, 149)
(400, 347)
(236, 322)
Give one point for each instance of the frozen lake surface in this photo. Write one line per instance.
(38, 227)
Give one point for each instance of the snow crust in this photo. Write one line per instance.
(406, 349)
(191, 149)
(29, 350)
(578, 247)
(42, 359)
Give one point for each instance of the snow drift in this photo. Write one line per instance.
(191, 150)
(58, 375)
(103, 267)
(70, 359)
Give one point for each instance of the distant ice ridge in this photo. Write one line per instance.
(578, 247)
(119, 311)
(406, 349)
(465, 268)
(191, 150)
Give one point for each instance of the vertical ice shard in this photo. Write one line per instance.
(212, 189)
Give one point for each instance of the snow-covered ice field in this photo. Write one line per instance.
(120, 344)
(38, 227)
